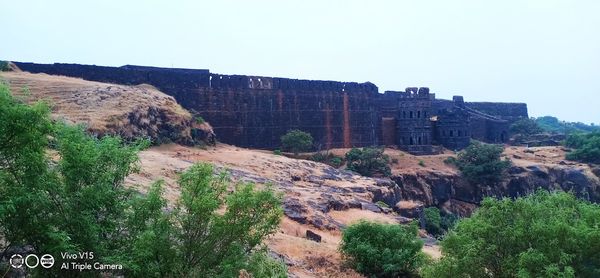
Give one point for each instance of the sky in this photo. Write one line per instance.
(545, 53)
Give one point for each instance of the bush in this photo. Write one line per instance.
(433, 221)
(277, 152)
(481, 163)
(196, 239)
(542, 235)
(4, 66)
(368, 162)
(421, 163)
(526, 127)
(382, 250)
(296, 141)
(587, 147)
(336, 161)
(199, 120)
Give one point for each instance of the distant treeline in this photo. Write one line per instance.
(553, 124)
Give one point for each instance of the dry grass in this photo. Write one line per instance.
(129, 111)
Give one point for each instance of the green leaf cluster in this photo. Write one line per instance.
(383, 250)
(368, 161)
(481, 163)
(542, 235)
(586, 145)
(296, 141)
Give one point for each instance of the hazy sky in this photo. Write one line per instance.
(545, 53)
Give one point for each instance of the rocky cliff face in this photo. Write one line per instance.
(532, 169)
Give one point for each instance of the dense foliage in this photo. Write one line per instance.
(76, 202)
(382, 250)
(526, 127)
(433, 220)
(296, 141)
(368, 161)
(542, 235)
(4, 65)
(586, 145)
(438, 223)
(552, 124)
(195, 237)
(482, 164)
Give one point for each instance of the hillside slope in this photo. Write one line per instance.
(129, 111)
(323, 199)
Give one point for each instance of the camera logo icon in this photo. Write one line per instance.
(47, 261)
(16, 261)
(31, 261)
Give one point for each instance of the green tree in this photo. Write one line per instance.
(586, 145)
(368, 161)
(481, 163)
(76, 202)
(4, 66)
(382, 250)
(198, 239)
(542, 235)
(433, 220)
(526, 127)
(296, 141)
(72, 204)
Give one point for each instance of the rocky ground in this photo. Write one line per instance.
(129, 111)
(320, 200)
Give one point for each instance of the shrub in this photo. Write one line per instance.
(199, 120)
(336, 161)
(526, 127)
(542, 235)
(433, 220)
(587, 147)
(4, 66)
(260, 264)
(194, 238)
(481, 163)
(382, 204)
(421, 163)
(277, 152)
(394, 160)
(368, 162)
(382, 250)
(296, 141)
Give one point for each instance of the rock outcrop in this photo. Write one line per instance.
(131, 112)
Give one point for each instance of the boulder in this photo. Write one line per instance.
(310, 235)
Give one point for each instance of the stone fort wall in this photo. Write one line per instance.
(255, 111)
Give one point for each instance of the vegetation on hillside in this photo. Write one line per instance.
(542, 235)
(526, 127)
(77, 203)
(4, 65)
(383, 250)
(296, 141)
(553, 124)
(368, 161)
(327, 158)
(586, 145)
(482, 163)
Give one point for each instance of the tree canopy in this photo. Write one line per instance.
(542, 235)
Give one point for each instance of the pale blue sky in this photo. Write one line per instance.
(545, 53)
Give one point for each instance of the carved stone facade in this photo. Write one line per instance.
(255, 111)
